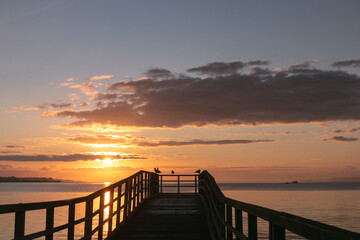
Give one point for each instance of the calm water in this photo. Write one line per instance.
(337, 204)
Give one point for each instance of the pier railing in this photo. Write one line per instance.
(225, 217)
(184, 183)
(116, 202)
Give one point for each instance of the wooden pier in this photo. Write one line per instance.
(150, 206)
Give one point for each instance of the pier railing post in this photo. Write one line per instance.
(133, 190)
(252, 227)
(154, 184)
(229, 235)
(178, 182)
(276, 232)
(71, 219)
(118, 205)
(238, 222)
(101, 216)
(19, 224)
(88, 218)
(142, 186)
(49, 222)
(127, 199)
(111, 205)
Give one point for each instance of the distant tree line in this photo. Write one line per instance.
(28, 179)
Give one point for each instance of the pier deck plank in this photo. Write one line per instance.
(167, 216)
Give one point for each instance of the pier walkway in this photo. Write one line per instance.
(168, 216)
(151, 206)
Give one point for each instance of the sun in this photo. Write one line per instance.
(107, 161)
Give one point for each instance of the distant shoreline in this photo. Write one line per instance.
(29, 179)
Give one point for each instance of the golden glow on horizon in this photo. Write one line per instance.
(107, 145)
(107, 161)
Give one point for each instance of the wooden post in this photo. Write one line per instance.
(133, 191)
(49, 222)
(118, 206)
(161, 184)
(142, 186)
(229, 235)
(146, 185)
(276, 232)
(154, 184)
(222, 215)
(19, 224)
(238, 221)
(126, 199)
(111, 202)
(71, 220)
(101, 216)
(252, 226)
(138, 190)
(88, 218)
(178, 184)
(195, 184)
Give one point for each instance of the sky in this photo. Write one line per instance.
(252, 91)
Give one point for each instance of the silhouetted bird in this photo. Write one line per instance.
(197, 171)
(172, 171)
(157, 170)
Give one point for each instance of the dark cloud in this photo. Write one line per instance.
(106, 96)
(46, 106)
(218, 68)
(10, 152)
(65, 158)
(291, 96)
(338, 131)
(141, 142)
(347, 63)
(258, 63)
(158, 73)
(341, 139)
(354, 129)
(198, 142)
(15, 146)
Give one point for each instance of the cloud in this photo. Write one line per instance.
(83, 104)
(88, 88)
(158, 73)
(65, 158)
(258, 63)
(45, 106)
(106, 96)
(296, 95)
(15, 146)
(354, 129)
(340, 131)
(218, 68)
(101, 77)
(141, 141)
(198, 142)
(347, 63)
(304, 65)
(341, 139)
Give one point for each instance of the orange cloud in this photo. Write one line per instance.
(100, 77)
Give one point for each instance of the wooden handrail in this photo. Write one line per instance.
(220, 209)
(137, 188)
(179, 182)
(132, 191)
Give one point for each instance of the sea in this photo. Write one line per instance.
(335, 203)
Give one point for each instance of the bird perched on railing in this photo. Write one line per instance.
(156, 170)
(172, 171)
(197, 171)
